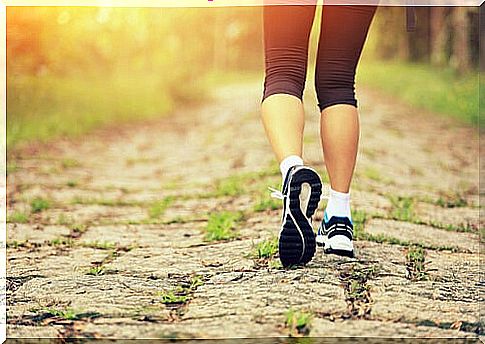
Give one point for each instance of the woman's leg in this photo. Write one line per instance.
(342, 36)
(286, 33)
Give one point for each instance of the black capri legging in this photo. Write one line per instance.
(342, 36)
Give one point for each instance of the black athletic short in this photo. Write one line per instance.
(342, 36)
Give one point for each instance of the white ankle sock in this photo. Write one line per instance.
(289, 162)
(338, 205)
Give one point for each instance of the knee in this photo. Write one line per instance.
(285, 72)
(335, 86)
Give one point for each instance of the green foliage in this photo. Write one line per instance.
(181, 294)
(436, 89)
(171, 298)
(125, 64)
(61, 241)
(266, 248)
(416, 265)
(266, 203)
(18, 217)
(298, 322)
(157, 209)
(96, 270)
(71, 183)
(70, 314)
(451, 201)
(104, 245)
(403, 208)
(39, 204)
(231, 186)
(70, 163)
(359, 218)
(221, 226)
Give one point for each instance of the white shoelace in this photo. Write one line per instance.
(275, 193)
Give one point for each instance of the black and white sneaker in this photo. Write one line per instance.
(301, 193)
(335, 235)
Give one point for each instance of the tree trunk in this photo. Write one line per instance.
(460, 58)
(439, 33)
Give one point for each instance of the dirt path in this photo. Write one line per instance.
(154, 231)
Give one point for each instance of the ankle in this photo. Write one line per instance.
(289, 162)
(338, 205)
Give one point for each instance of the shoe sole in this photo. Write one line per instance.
(339, 245)
(297, 243)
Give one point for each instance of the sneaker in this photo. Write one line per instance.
(335, 235)
(301, 193)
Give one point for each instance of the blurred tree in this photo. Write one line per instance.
(438, 35)
(460, 58)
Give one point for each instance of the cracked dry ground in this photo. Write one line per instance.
(108, 236)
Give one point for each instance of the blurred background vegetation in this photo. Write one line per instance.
(73, 69)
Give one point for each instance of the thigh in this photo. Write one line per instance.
(287, 27)
(342, 35)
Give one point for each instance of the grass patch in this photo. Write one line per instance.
(70, 314)
(39, 204)
(96, 270)
(231, 186)
(157, 209)
(357, 291)
(402, 208)
(222, 226)
(104, 202)
(266, 203)
(434, 88)
(18, 217)
(359, 219)
(70, 163)
(79, 228)
(451, 202)
(43, 108)
(71, 183)
(61, 241)
(266, 248)
(298, 322)
(104, 245)
(415, 264)
(181, 294)
(172, 298)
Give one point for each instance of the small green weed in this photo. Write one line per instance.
(39, 204)
(231, 186)
(70, 314)
(61, 241)
(71, 183)
(70, 163)
(105, 245)
(172, 298)
(298, 322)
(96, 270)
(157, 209)
(416, 265)
(402, 208)
(266, 203)
(221, 226)
(266, 248)
(18, 217)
